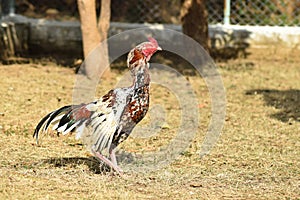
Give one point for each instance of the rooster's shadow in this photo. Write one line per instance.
(93, 164)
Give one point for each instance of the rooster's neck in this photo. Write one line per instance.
(141, 77)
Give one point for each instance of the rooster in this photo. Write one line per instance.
(108, 121)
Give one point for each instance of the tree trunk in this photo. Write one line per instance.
(88, 19)
(103, 27)
(97, 61)
(194, 21)
(104, 19)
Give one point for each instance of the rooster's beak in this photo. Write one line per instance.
(159, 48)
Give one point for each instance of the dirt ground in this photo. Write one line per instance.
(256, 157)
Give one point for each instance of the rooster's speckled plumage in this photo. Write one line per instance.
(105, 123)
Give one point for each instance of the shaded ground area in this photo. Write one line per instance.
(287, 101)
(257, 156)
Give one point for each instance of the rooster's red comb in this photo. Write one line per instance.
(153, 41)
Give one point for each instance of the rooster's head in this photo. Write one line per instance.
(143, 52)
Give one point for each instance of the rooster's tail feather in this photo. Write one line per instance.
(65, 120)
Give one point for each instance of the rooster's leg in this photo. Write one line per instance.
(112, 151)
(108, 162)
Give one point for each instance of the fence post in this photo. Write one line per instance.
(226, 12)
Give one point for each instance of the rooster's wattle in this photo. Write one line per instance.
(108, 121)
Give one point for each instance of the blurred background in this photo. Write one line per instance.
(255, 12)
(225, 28)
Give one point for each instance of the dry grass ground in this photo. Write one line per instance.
(256, 157)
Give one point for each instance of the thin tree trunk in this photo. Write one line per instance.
(194, 21)
(104, 19)
(96, 59)
(103, 27)
(88, 19)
